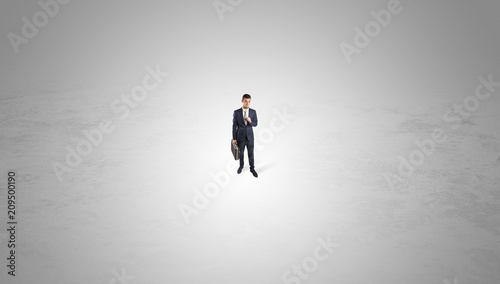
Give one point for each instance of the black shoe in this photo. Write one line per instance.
(254, 173)
(239, 169)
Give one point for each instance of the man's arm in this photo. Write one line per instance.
(235, 126)
(254, 121)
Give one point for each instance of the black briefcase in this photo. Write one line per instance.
(235, 150)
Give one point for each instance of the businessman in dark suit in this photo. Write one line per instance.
(244, 120)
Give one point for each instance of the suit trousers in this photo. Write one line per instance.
(249, 144)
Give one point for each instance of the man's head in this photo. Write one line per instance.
(246, 100)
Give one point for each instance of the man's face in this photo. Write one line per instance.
(246, 103)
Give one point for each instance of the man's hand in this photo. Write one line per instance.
(235, 142)
(248, 119)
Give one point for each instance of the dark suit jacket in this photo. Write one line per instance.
(240, 130)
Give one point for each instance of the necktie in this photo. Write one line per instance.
(245, 117)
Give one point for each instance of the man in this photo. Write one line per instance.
(244, 120)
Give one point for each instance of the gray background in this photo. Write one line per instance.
(324, 174)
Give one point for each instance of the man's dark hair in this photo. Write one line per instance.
(246, 96)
